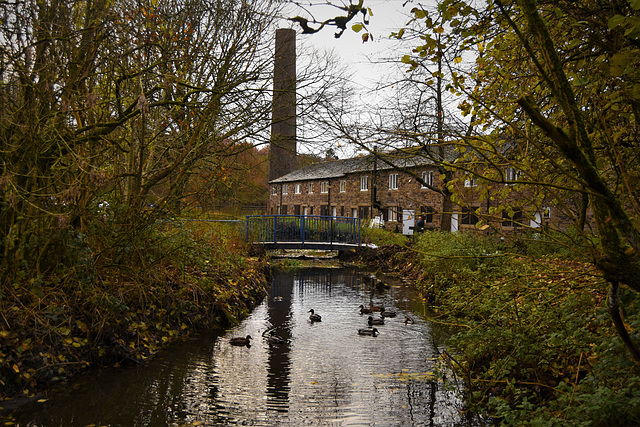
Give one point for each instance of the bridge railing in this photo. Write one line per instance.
(303, 229)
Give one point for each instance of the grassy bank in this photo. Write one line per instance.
(183, 277)
(535, 344)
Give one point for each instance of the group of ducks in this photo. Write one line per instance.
(314, 317)
(371, 321)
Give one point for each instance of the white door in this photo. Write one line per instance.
(408, 221)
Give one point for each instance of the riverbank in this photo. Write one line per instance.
(53, 329)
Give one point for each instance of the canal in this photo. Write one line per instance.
(322, 374)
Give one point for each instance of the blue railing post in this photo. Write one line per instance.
(275, 230)
(302, 230)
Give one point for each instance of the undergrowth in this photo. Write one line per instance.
(119, 304)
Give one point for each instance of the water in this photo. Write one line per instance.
(324, 374)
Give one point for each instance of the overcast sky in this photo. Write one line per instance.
(361, 59)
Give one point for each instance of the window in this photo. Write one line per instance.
(343, 186)
(427, 177)
(546, 213)
(324, 210)
(298, 188)
(470, 182)
(511, 174)
(392, 213)
(283, 211)
(363, 212)
(296, 209)
(310, 188)
(513, 218)
(324, 187)
(393, 181)
(364, 183)
(427, 213)
(469, 216)
(341, 210)
(274, 190)
(285, 189)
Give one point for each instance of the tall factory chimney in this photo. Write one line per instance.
(283, 115)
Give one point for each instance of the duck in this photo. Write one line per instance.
(375, 307)
(240, 341)
(372, 321)
(274, 339)
(314, 317)
(365, 310)
(387, 313)
(408, 320)
(370, 332)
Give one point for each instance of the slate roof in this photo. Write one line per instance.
(341, 167)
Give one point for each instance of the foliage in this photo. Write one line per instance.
(382, 237)
(534, 344)
(116, 113)
(180, 279)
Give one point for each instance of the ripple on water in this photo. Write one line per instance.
(323, 374)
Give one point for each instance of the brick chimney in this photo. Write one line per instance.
(283, 114)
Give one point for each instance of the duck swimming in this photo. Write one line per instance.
(364, 310)
(274, 339)
(241, 341)
(370, 332)
(375, 307)
(372, 321)
(314, 317)
(387, 313)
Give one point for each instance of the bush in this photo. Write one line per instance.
(535, 341)
(382, 237)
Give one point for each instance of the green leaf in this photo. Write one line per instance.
(357, 27)
(419, 13)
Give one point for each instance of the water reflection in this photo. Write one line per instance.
(321, 374)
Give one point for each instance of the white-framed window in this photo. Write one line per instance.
(470, 182)
(274, 190)
(392, 214)
(393, 181)
(285, 189)
(364, 183)
(511, 174)
(427, 178)
(343, 186)
(324, 187)
(310, 190)
(298, 189)
(546, 213)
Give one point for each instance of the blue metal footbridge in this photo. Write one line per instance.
(303, 232)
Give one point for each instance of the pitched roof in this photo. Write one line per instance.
(397, 159)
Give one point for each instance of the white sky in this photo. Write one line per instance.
(360, 58)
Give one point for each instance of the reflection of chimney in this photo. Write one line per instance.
(283, 116)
